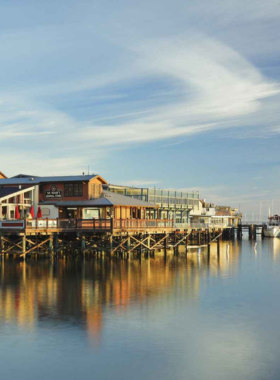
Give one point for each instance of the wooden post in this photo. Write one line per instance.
(148, 244)
(165, 246)
(251, 231)
(198, 238)
(239, 231)
(218, 246)
(1, 244)
(128, 243)
(24, 245)
(262, 229)
(111, 243)
(128, 246)
(55, 244)
(83, 244)
(51, 245)
(149, 241)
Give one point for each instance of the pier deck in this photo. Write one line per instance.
(107, 235)
(111, 226)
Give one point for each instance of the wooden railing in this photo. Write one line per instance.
(102, 224)
(69, 224)
(142, 223)
(98, 224)
(201, 225)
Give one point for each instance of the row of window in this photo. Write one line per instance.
(70, 189)
(73, 189)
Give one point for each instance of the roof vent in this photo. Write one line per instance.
(31, 179)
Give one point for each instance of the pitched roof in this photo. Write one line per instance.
(2, 175)
(5, 191)
(122, 200)
(36, 180)
(24, 176)
(108, 199)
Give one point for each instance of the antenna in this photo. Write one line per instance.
(88, 169)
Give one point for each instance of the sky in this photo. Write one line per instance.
(174, 94)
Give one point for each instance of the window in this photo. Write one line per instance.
(90, 213)
(73, 189)
(46, 212)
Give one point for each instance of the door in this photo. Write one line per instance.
(72, 213)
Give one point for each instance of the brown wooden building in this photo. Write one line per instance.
(68, 197)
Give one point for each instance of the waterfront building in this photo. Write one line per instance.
(67, 197)
(92, 197)
(171, 204)
(211, 214)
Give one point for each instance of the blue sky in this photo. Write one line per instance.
(173, 94)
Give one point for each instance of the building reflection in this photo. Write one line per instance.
(81, 292)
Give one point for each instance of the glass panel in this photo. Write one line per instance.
(91, 213)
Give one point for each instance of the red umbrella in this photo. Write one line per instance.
(17, 216)
(32, 212)
(39, 212)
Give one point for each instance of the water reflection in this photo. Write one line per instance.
(80, 291)
(195, 316)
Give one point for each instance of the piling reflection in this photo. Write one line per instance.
(81, 291)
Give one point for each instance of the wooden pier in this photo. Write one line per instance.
(124, 237)
(253, 229)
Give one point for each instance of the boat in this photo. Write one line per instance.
(272, 228)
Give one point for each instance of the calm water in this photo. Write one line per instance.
(183, 318)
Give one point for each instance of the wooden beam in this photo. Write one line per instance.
(139, 243)
(120, 245)
(178, 242)
(215, 238)
(37, 246)
(165, 237)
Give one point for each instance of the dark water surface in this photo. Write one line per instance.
(183, 318)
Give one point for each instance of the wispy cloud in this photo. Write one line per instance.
(216, 86)
(79, 89)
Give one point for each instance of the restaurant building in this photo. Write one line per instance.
(67, 197)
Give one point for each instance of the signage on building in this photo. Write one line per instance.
(53, 193)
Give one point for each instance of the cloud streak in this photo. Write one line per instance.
(217, 87)
(75, 91)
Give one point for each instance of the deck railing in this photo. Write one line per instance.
(102, 224)
(201, 225)
(98, 224)
(142, 223)
(69, 224)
